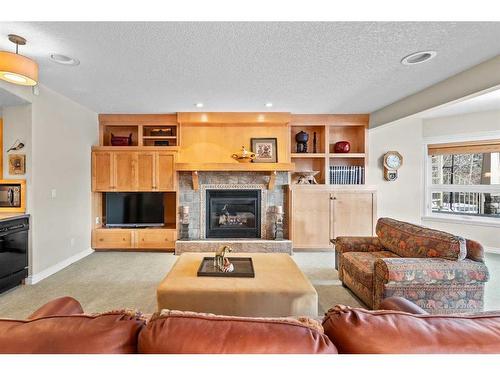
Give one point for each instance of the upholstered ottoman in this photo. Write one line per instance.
(279, 289)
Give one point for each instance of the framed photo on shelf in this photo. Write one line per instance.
(265, 150)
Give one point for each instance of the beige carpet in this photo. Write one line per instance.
(112, 280)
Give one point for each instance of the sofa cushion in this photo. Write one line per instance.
(361, 265)
(109, 333)
(413, 241)
(360, 331)
(175, 332)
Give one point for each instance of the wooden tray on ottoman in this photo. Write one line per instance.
(243, 267)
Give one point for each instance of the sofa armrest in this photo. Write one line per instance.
(358, 244)
(58, 306)
(401, 304)
(429, 271)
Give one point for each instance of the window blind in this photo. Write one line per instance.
(472, 147)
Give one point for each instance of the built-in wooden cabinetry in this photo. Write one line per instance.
(146, 165)
(124, 170)
(329, 129)
(320, 213)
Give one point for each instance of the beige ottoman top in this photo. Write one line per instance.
(278, 289)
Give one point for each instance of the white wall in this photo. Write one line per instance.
(62, 133)
(403, 199)
(400, 199)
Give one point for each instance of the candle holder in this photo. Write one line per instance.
(278, 224)
(184, 220)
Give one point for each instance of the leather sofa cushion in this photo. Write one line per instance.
(359, 331)
(413, 241)
(175, 332)
(109, 333)
(361, 265)
(58, 306)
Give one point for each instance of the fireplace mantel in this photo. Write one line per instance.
(272, 168)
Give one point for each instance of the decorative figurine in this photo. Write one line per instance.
(221, 262)
(315, 149)
(278, 225)
(244, 156)
(342, 147)
(302, 137)
(307, 178)
(184, 216)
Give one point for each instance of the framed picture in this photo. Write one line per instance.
(265, 150)
(17, 164)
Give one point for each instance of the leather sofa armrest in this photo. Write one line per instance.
(401, 304)
(475, 250)
(58, 306)
(429, 270)
(358, 244)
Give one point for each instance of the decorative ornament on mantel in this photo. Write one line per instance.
(18, 69)
(244, 156)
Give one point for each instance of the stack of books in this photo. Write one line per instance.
(347, 175)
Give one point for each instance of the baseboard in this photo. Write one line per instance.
(33, 279)
(491, 250)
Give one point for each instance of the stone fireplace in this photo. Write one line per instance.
(252, 205)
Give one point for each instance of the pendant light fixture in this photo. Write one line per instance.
(18, 69)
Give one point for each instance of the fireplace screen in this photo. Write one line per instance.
(233, 214)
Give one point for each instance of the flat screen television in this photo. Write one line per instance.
(134, 209)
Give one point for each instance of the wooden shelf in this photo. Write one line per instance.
(159, 137)
(308, 155)
(250, 167)
(348, 155)
(135, 148)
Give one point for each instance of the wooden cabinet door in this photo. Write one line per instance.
(156, 238)
(113, 239)
(353, 214)
(165, 174)
(102, 171)
(311, 218)
(125, 171)
(146, 174)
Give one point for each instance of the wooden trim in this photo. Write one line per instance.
(338, 120)
(272, 181)
(138, 119)
(22, 208)
(471, 147)
(135, 148)
(250, 167)
(196, 182)
(233, 117)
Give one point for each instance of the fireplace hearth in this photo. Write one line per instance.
(233, 213)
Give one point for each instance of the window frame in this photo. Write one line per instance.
(429, 188)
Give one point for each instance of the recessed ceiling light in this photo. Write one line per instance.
(418, 57)
(64, 60)
(199, 105)
(269, 104)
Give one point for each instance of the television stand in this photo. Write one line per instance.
(151, 238)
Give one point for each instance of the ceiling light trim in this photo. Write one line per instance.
(418, 57)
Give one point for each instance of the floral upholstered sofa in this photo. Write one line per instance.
(440, 272)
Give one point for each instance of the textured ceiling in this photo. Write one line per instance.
(300, 67)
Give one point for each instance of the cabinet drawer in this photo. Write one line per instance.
(156, 238)
(113, 239)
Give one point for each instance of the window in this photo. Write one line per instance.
(464, 179)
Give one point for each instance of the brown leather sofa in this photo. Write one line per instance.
(60, 326)
(440, 272)
(401, 327)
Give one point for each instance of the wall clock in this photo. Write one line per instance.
(392, 162)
